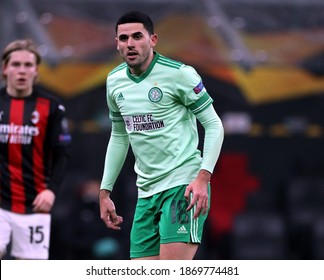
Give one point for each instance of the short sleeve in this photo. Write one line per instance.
(191, 90)
(114, 113)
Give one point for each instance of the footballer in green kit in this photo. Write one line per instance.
(154, 103)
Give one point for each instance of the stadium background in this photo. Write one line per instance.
(262, 61)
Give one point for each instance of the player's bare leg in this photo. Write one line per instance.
(178, 251)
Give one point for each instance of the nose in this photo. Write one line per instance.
(22, 68)
(130, 42)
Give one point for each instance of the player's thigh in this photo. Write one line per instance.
(178, 251)
(177, 224)
(31, 236)
(145, 239)
(5, 231)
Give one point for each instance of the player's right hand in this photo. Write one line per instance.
(108, 211)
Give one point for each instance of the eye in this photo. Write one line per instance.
(137, 36)
(15, 64)
(123, 38)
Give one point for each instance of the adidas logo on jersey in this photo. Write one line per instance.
(120, 96)
(182, 229)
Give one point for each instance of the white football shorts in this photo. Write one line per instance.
(29, 234)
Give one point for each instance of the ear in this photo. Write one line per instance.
(117, 46)
(154, 40)
(4, 70)
(36, 79)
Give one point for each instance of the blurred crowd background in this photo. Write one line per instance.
(262, 61)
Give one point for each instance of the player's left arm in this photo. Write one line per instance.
(59, 144)
(213, 139)
(197, 191)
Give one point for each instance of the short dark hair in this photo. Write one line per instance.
(138, 17)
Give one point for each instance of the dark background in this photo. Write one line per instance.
(263, 64)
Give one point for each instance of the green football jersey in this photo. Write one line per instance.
(158, 109)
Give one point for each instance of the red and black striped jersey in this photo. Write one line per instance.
(33, 131)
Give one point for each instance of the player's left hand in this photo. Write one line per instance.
(197, 194)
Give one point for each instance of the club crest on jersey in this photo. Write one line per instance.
(199, 87)
(35, 117)
(155, 94)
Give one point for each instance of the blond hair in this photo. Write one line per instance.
(19, 45)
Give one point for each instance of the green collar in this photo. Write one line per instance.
(138, 79)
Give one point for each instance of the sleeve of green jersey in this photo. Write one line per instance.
(190, 89)
(117, 146)
(214, 136)
(115, 155)
(112, 106)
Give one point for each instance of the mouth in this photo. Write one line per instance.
(132, 55)
(21, 80)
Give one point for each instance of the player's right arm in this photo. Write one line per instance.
(115, 157)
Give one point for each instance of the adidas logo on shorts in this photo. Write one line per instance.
(182, 229)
